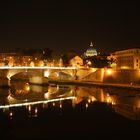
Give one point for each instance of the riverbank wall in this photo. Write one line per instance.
(116, 76)
(121, 76)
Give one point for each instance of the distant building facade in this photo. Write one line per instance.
(127, 59)
(76, 61)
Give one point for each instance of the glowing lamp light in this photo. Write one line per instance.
(46, 95)
(89, 100)
(10, 114)
(53, 103)
(60, 105)
(32, 64)
(46, 74)
(27, 87)
(29, 108)
(36, 110)
(93, 99)
(86, 105)
(109, 71)
(113, 103)
(108, 100)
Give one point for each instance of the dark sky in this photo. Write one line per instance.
(64, 25)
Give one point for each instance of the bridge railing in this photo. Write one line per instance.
(35, 67)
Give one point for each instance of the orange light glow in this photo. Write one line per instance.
(109, 71)
(46, 73)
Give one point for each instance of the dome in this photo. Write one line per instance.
(91, 51)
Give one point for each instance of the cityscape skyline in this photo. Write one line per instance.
(69, 69)
(69, 25)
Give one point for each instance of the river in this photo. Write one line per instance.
(68, 111)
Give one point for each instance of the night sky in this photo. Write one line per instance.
(65, 25)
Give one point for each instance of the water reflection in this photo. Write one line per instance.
(21, 92)
(34, 98)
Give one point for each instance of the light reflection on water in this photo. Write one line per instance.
(33, 97)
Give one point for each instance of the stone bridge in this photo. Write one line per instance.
(57, 73)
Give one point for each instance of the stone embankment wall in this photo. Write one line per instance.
(118, 76)
(122, 76)
(96, 76)
(115, 76)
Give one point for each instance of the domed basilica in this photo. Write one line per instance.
(91, 51)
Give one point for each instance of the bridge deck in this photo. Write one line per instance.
(45, 67)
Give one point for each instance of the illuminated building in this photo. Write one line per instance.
(76, 61)
(7, 59)
(94, 59)
(91, 51)
(127, 59)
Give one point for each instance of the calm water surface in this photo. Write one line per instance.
(61, 111)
